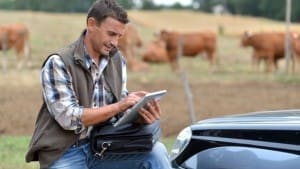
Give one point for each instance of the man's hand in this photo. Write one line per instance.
(150, 113)
(130, 100)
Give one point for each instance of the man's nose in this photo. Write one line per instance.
(114, 41)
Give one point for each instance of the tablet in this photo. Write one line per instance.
(131, 114)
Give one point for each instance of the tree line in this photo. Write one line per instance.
(273, 9)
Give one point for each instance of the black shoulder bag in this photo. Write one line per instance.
(126, 138)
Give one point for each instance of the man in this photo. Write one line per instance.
(84, 84)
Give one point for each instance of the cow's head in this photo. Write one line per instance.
(164, 34)
(245, 39)
(156, 52)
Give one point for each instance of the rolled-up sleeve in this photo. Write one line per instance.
(59, 95)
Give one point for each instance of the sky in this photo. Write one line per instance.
(170, 2)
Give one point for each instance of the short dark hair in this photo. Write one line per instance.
(101, 9)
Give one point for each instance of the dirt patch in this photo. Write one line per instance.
(216, 99)
(19, 104)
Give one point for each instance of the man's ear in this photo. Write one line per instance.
(91, 23)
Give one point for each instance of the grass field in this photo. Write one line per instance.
(13, 150)
(234, 87)
(12, 153)
(52, 31)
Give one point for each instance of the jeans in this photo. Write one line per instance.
(74, 158)
(82, 158)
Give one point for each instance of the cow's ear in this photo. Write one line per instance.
(247, 33)
(163, 31)
(156, 33)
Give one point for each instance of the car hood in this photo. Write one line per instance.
(277, 131)
(279, 119)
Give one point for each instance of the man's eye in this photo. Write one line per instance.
(112, 34)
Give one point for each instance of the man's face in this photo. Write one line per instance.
(105, 36)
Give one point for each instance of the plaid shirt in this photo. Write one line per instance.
(60, 97)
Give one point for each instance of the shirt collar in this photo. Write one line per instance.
(89, 62)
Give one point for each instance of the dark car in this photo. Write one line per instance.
(259, 140)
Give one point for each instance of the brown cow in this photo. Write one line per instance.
(296, 48)
(128, 44)
(156, 52)
(192, 45)
(267, 46)
(15, 36)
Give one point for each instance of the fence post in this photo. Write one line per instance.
(184, 80)
(287, 34)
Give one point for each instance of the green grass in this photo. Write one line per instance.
(13, 149)
(12, 152)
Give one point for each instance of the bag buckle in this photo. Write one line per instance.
(104, 147)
